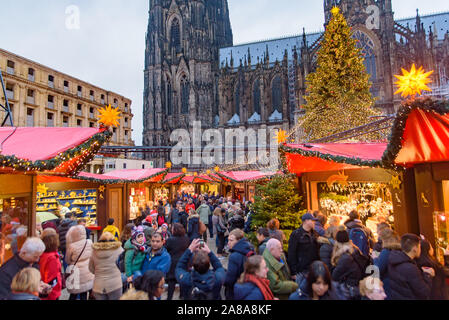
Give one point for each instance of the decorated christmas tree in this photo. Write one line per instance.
(278, 199)
(337, 95)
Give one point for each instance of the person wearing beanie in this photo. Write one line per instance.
(347, 270)
(164, 232)
(135, 252)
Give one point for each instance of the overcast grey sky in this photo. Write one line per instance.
(108, 49)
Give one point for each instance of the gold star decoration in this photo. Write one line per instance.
(208, 172)
(101, 189)
(168, 165)
(396, 182)
(195, 174)
(335, 10)
(184, 170)
(340, 178)
(109, 116)
(42, 189)
(281, 136)
(217, 169)
(413, 82)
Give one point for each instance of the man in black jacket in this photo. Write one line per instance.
(407, 280)
(28, 256)
(303, 247)
(65, 225)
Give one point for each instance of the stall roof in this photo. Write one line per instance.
(139, 175)
(197, 179)
(52, 150)
(420, 134)
(245, 176)
(173, 178)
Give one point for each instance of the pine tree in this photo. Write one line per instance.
(278, 199)
(337, 95)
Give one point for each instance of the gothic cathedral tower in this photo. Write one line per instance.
(181, 66)
(372, 23)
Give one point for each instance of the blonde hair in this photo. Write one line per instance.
(107, 236)
(26, 280)
(134, 295)
(369, 284)
(237, 233)
(334, 221)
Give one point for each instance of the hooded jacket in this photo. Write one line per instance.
(407, 281)
(193, 227)
(176, 246)
(353, 224)
(21, 296)
(50, 267)
(302, 250)
(236, 222)
(63, 228)
(160, 260)
(382, 263)
(236, 263)
(114, 231)
(262, 246)
(326, 248)
(279, 275)
(133, 258)
(211, 281)
(347, 271)
(108, 277)
(7, 272)
(247, 291)
(204, 212)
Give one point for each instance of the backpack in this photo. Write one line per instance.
(360, 239)
(121, 260)
(198, 294)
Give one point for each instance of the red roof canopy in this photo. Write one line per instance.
(245, 176)
(139, 175)
(173, 178)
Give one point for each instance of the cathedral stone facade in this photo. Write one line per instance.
(192, 71)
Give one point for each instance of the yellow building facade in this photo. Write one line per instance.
(43, 97)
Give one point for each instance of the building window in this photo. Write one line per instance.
(30, 117)
(92, 124)
(50, 121)
(30, 74)
(51, 81)
(10, 67)
(65, 121)
(51, 100)
(79, 110)
(256, 97)
(175, 35)
(102, 99)
(124, 165)
(126, 107)
(115, 103)
(80, 91)
(114, 135)
(169, 99)
(79, 122)
(30, 97)
(10, 91)
(65, 106)
(366, 46)
(143, 166)
(11, 108)
(66, 86)
(276, 95)
(126, 122)
(185, 92)
(237, 100)
(92, 95)
(91, 112)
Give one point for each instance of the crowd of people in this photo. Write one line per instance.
(166, 247)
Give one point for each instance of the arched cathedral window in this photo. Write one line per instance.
(276, 94)
(185, 92)
(237, 100)
(256, 96)
(366, 44)
(175, 35)
(169, 99)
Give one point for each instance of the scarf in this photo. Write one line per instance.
(262, 284)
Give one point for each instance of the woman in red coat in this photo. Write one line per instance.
(50, 265)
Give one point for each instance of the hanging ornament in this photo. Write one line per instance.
(217, 169)
(396, 182)
(109, 116)
(413, 82)
(184, 170)
(281, 136)
(168, 165)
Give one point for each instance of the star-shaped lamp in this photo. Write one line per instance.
(335, 10)
(101, 189)
(281, 136)
(109, 116)
(42, 189)
(396, 182)
(413, 82)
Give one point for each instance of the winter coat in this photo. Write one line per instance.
(176, 246)
(160, 260)
(302, 250)
(407, 281)
(50, 267)
(279, 275)
(247, 291)
(319, 229)
(22, 296)
(133, 258)
(7, 272)
(86, 278)
(236, 263)
(63, 228)
(347, 271)
(174, 216)
(114, 231)
(211, 281)
(193, 227)
(262, 246)
(183, 219)
(204, 212)
(326, 248)
(189, 206)
(353, 224)
(382, 263)
(440, 289)
(102, 264)
(236, 222)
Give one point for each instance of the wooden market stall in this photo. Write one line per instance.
(27, 153)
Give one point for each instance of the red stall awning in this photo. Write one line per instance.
(139, 175)
(245, 176)
(173, 178)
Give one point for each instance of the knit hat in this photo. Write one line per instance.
(342, 236)
(136, 232)
(165, 225)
